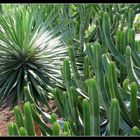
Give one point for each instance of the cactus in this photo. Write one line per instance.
(22, 131)
(130, 18)
(18, 116)
(86, 117)
(13, 129)
(56, 129)
(132, 44)
(28, 93)
(57, 97)
(99, 75)
(95, 108)
(53, 118)
(67, 128)
(130, 67)
(66, 106)
(109, 42)
(114, 117)
(116, 92)
(39, 120)
(43, 97)
(73, 103)
(135, 131)
(115, 24)
(29, 125)
(67, 73)
(108, 77)
(74, 68)
(108, 39)
(134, 104)
(121, 41)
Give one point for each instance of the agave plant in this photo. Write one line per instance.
(29, 52)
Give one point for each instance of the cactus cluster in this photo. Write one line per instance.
(101, 94)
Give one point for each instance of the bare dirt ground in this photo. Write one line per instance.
(5, 117)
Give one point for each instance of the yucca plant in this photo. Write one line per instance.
(29, 52)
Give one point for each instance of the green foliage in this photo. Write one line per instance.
(135, 131)
(29, 51)
(18, 116)
(86, 116)
(29, 120)
(97, 89)
(114, 117)
(95, 107)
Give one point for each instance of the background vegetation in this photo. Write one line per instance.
(83, 56)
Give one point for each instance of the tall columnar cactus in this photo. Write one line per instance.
(53, 118)
(98, 69)
(29, 124)
(94, 108)
(110, 44)
(114, 117)
(66, 72)
(134, 105)
(75, 72)
(121, 42)
(130, 18)
(13, 129)
(67, 128)
(39, 120)
(109, 79)
(18, 116)
(72, 100)
(115, 90)
(132, 43)
(130, 67)
(86, 117)
(108, 39)
(56, 129)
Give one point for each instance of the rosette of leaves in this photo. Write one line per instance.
(29, 52)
